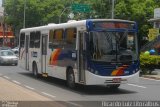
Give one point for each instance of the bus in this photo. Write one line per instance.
(88, 52)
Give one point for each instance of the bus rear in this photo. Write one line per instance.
(111, 52)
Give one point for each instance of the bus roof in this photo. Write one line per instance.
(71, 24)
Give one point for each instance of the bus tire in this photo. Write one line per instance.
(35, 70)
(70, 78)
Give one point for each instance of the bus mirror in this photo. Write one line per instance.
(85, 40)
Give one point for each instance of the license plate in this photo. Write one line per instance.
(117, 80)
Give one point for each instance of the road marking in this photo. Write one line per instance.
(16, 82)
(48, 94)
(6, 77)
(137, 85)
(149, 79)
(75, 104)
(29, 87)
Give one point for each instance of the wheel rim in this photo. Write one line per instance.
(35, 71)
(71, 78)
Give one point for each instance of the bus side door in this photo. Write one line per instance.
(27, 52)
(81, 57)
(43, 54)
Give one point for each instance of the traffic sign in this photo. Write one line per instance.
(81, 8)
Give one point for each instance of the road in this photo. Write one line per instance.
(145, 90)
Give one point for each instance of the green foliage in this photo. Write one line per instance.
(149, 62)
(137, 10)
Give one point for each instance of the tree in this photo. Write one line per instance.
(137, 10)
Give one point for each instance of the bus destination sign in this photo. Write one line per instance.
(113, 25)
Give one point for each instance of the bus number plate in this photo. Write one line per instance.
(117, 80)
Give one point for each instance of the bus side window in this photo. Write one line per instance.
(22, 39)
(37, 39)
(58, 38)
(51, 33)
(70, 38)
(32, 38)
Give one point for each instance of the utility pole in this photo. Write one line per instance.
(112, 9)
(62, 13)
(4, 39)
(24, 19)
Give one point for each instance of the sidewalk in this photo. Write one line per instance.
(155, 75)
(11, 92)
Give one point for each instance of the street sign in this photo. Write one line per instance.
(153, 33)
(81, 8)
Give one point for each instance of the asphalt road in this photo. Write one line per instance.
(144, 90)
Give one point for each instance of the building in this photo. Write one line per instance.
(156, 19)
(154, 32)
(6, 33)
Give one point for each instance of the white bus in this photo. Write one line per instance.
(88, 52)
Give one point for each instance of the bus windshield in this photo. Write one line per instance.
(112, 46)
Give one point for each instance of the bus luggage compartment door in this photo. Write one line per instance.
(80, 56)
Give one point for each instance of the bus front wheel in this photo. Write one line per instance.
(114, 87)
(70, 78)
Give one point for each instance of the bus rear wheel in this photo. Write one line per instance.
(70, 78)
(35, 71)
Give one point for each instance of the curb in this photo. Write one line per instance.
(151, 77)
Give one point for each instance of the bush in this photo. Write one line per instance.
(149, 62)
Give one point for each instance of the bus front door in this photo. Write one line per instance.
(80, 56)
(43, 55)
(26, 52)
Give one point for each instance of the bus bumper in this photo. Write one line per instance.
(92, 79)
